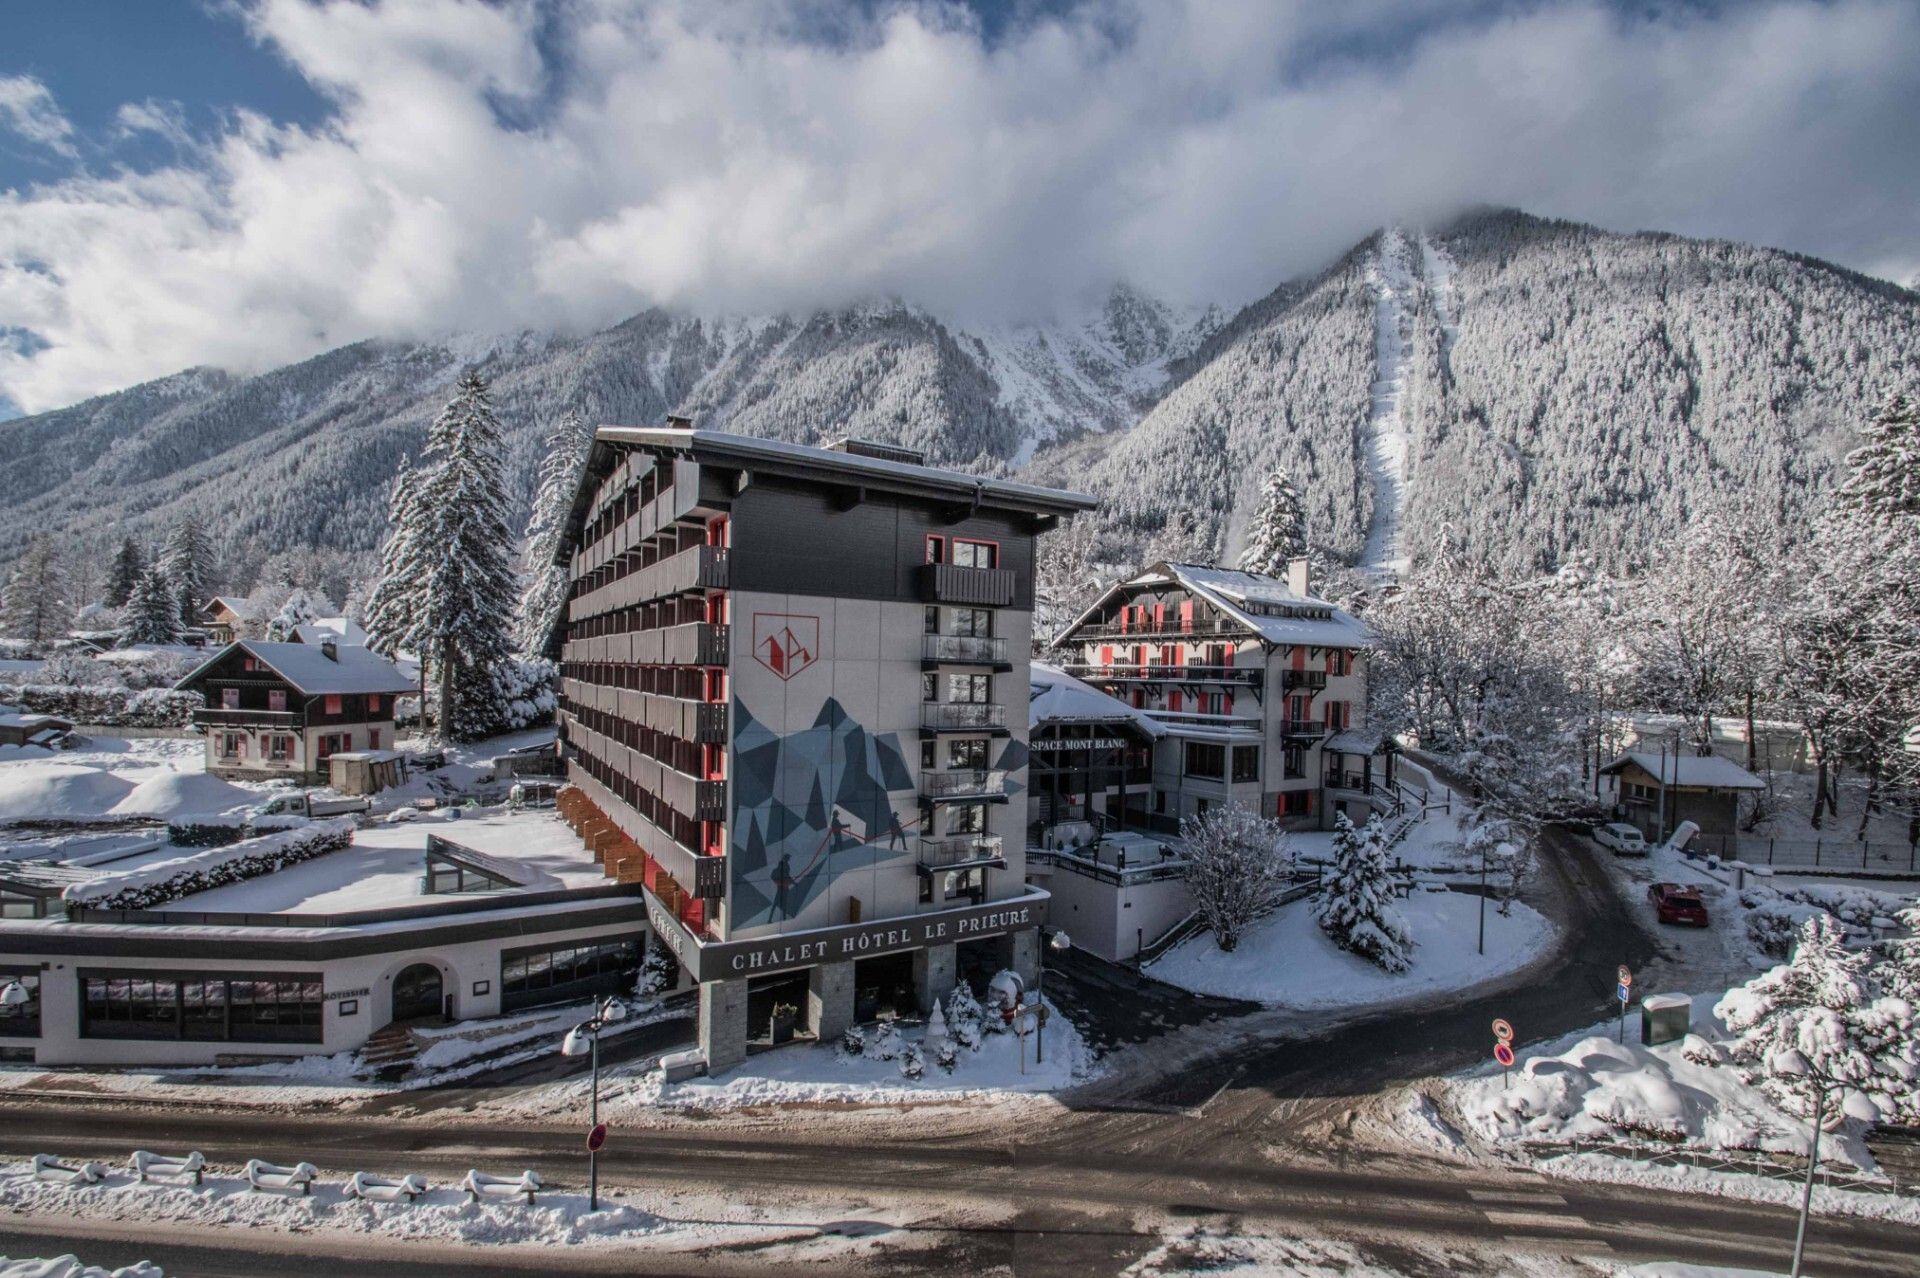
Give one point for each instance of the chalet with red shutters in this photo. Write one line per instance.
(283, 709)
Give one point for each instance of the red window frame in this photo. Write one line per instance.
(936, 548)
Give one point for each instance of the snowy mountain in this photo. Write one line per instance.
(1536, 387)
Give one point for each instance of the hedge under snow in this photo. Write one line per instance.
(107, 707)
(153, 885)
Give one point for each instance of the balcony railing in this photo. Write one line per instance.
(951, 583)
(1309, 680)
(960, 851)
(221, 717)
(962, 716)
(1242, 676)
(1356, 782)
(1303, 729)
(965, 783)
(965, 650)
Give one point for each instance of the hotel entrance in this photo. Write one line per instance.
(777, 1009)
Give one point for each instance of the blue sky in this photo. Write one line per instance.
(254, 181)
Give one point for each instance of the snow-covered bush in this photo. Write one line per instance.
(76, 668)
(964, 1015)
(1701, 1051)
(206, 831)
(1356, 902)
(946, 1055)
(656, 973)
(107, 707)
(884, 1044)
(1237, 869)
(913, 1062)
(1814, 1019)
(1772, 925)
(854, 1041)
(527, 695)
(154, 885)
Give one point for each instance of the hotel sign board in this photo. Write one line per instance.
(731, 960)
(1082, 743)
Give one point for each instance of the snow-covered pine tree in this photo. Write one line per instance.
(1815, 1018)
(1356, 901)
(297, 611)
(153, 610)
(35, 605)
(1278, 530)
(1883, 474)
(544, 582)
(128, 564)
(446, 589)
(1237, 868)
(187, 562)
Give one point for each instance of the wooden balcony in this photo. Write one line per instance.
(221, 717)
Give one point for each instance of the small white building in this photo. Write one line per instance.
(284, 709)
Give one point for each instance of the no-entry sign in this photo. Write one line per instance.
(1502, 1031)
(1503, 1052)
(596, 1138)
(1625, 974)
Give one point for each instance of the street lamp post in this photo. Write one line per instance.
(585, 1038)
(1060, 943)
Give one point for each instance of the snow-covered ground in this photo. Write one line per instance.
(1391, 276)
(1285, 960)
(71, 1266)
(155, 776)
(1586, 1086)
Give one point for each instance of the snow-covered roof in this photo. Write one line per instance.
(1356, 741)
(142, 651)
(1710, 771)
(311, 671)
(23, 720)
(341, 630)
(238, 607)
(1265, 605)
(1058, 697)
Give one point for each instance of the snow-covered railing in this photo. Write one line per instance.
(1833, 1174)
(384, 1189)
(145, 1164)
(47, 1167)
(154, 885)
(265, 1175)
(479, 1185)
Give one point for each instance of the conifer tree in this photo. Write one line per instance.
(297, 611)
(1356, 902)
(187, 562)
(446, 586)
(34, 605)
(1277, 532)
(543, 581)
(128, 564)
(153, 610)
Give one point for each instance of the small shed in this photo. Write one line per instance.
(365, 771)
(1656, 792)
(33, 729)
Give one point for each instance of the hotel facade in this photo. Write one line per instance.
(794, 707)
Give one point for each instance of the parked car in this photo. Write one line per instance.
(1677, 903)
(1621, 837)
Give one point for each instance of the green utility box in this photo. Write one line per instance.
(1665, 1018)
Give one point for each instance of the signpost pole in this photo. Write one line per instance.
(593, 1154)
(1813, 1163)
(1623, 992)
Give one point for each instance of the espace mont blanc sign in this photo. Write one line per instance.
(727, 960)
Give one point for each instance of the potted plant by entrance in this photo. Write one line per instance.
(784, 1016)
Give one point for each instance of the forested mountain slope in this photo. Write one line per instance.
(1552, 387)
(1536, 387)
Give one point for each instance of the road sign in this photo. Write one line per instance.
(1502, 1031)
(1623, 992)
(596, 1138)
(1626, 974)
(1503, 1052)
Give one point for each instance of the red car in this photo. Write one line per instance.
(1677, 903)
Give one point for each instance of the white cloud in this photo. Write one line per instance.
(28, 111)
(498, 165)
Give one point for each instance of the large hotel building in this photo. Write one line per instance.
(794, 706)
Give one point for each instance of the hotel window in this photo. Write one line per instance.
(280, 1009)
(532, 977)
(972, 623)
(18, 905)
(21, 1020)
(967, 818)
(929, 686)
(229, 698)
(936, 549)
(233, 745)
(277, 699)
(279, 747)
(927, 760)
(1206, 760)
(968, 754)
(971, 689)
(933, 619)
(975, 554)
(1246, 763)
(968, 884)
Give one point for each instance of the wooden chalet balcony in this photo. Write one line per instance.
(961, 851)
(964, 783)
(950, 583)
(1303, 680)
(1170, 629)
(1303, 729)
(221, 717)
(962, 716)
(1128, 672)
(965, 650)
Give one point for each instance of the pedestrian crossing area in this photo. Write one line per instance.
(1538, 1220)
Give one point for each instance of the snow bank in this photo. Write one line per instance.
(34, 789)
(1674, 1269)
(71, 1266)
(164, 881)
(171, 793)
(1287, 961)
(1207, 1251)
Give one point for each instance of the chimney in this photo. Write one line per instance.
(1297, 579)
(330, 649)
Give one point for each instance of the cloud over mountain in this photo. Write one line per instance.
(493, 166)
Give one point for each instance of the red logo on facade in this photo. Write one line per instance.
(785, 643)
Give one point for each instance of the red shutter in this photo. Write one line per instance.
(331, 706)
(1173, 701)
(1186, 615)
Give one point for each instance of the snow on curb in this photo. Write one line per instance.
(1738, 1185)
